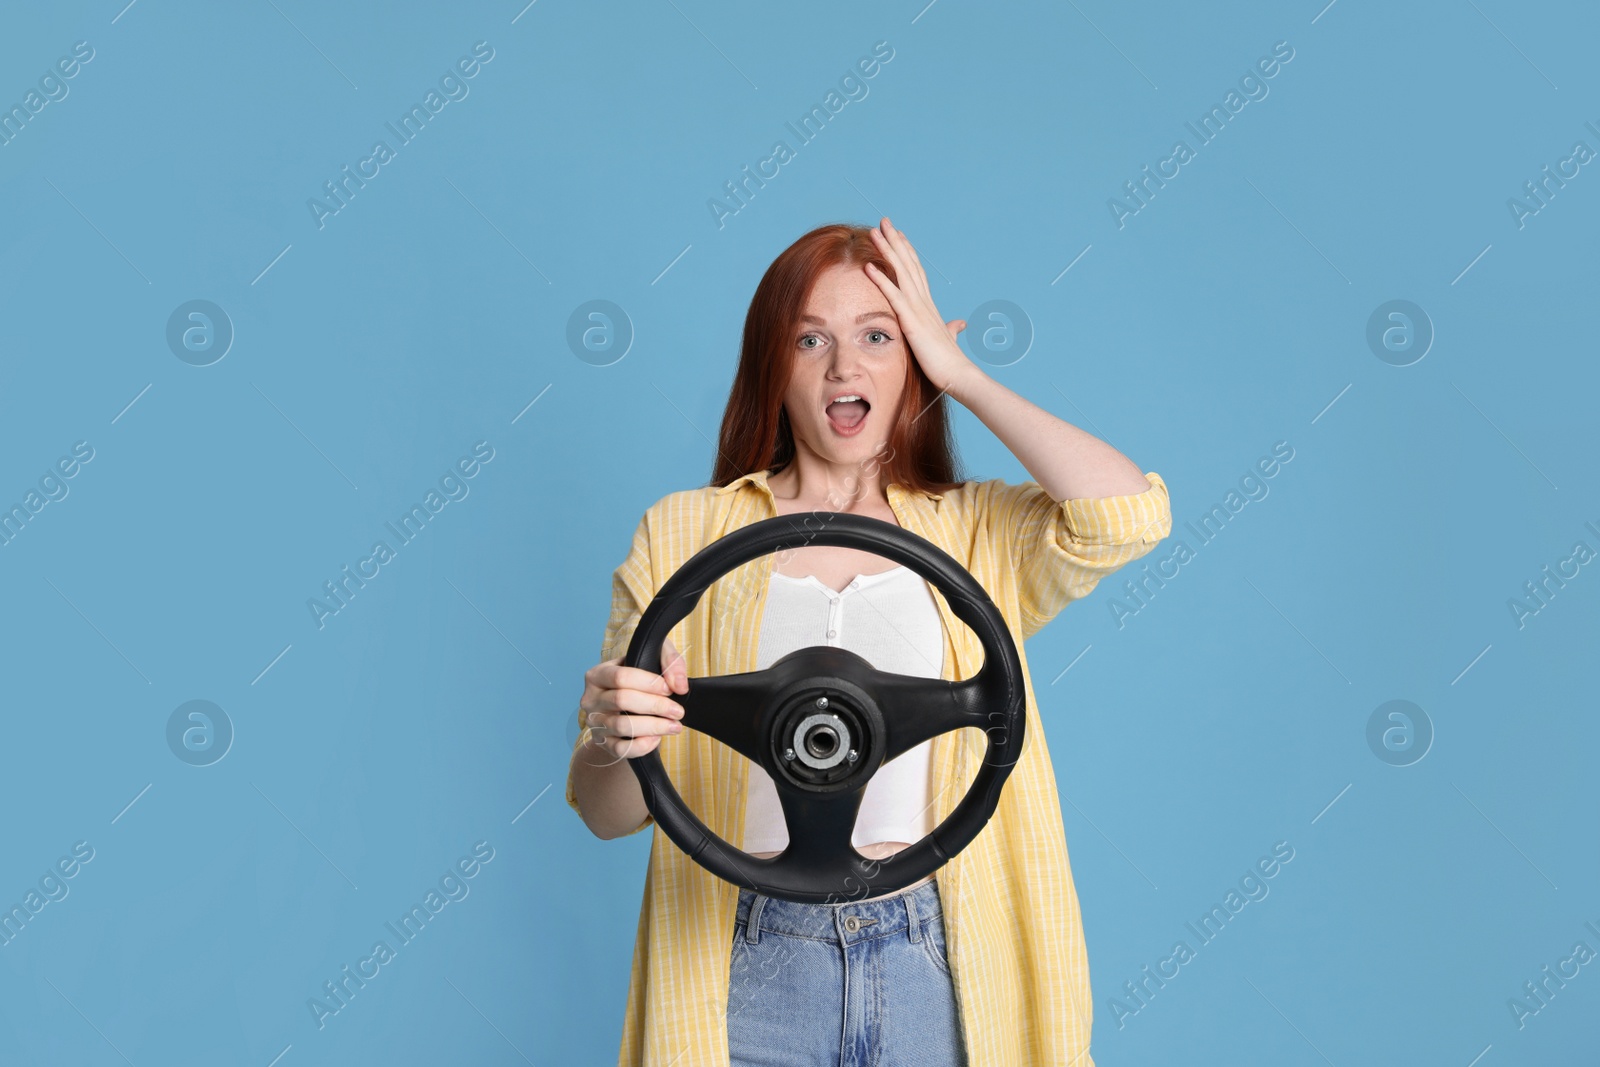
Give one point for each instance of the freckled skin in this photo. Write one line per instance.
(830, 472)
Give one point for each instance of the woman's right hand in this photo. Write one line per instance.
(628, 710)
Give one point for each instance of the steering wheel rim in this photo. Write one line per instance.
(876, 713)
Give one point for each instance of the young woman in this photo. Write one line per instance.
(838, 405)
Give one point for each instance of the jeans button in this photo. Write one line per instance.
(852, 924)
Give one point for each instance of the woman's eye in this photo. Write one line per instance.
(879, 333)
(809, 337)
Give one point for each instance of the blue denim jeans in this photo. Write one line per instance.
(842, 985)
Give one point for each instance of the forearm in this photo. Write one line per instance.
(1067, 462)
(608, 792)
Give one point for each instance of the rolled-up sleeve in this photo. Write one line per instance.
(1060, 550)
(632, 589)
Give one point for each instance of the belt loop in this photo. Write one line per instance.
(752, 924)
(913, 925)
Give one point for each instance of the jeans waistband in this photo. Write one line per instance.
(905, 913)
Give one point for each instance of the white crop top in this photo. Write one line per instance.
(889, 619)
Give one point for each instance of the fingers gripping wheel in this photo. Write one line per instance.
(822, 720)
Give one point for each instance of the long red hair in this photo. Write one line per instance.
(756, 435)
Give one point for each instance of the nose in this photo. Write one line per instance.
(845, 364)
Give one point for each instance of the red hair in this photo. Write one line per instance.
(756, 434)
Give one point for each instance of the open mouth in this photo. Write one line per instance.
(848, 415)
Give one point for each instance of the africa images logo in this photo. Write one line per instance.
(452, 485)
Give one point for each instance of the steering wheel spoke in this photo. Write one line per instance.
(820, 826)
(917, 709)
(725, 706)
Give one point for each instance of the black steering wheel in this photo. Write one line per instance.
(822, 720)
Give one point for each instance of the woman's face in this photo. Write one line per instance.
(848, 343)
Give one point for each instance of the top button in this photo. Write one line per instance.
(854, 584)
(833, 633)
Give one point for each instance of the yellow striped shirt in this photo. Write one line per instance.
(1014, 935)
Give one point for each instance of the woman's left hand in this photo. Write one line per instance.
(932, 340)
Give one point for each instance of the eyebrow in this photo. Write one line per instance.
(859, 318)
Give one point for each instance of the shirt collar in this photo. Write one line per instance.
(759, 480)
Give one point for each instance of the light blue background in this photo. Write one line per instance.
(436, 710)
